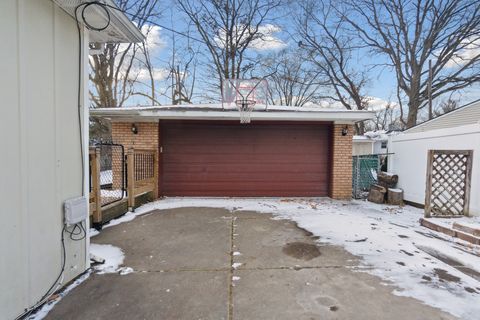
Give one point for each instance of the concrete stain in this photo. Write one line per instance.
(301, 250)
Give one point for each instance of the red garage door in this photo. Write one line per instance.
(230, 159)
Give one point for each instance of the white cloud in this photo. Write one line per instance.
(471, 49)
(153, 38)
(266, 38)
(158, 74)
(374, 104)
(378, 104)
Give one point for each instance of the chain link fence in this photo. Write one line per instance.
(365, 169)
(112, 173)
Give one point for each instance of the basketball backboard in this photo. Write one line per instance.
(244, 94)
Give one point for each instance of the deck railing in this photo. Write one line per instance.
(142, 177)
(142, 173)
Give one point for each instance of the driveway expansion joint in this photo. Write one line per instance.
(232, 269)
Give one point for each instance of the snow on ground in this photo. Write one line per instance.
(114, 193)
(45, 309)
(113, 258)
(390, 240)
(106, 177)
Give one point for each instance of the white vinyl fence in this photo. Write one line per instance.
(409, 159)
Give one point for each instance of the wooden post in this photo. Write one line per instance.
(428, 187)
(96, 188)
(468, 183)
(131, 178)
(155, 174)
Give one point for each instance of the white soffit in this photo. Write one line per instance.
(121, 29)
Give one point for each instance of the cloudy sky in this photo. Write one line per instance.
(278, 35)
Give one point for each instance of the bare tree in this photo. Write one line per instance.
(183, 69)
(228, 28)
(292, 81)
(410, 33)
(183, 77)
(322, 33)
(117, 72)
(385, 119)
(445, 106)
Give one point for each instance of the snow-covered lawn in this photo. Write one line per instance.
(389, 239)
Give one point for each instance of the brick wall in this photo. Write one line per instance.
(341, 181)
(146, 138)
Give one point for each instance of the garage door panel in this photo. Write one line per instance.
(247, 189)
(205, 159)
(231, 160)
(237, 177)
(241, 149)
(223, 169)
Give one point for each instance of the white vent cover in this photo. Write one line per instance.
(76, 210)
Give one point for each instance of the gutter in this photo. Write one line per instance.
(124, 114)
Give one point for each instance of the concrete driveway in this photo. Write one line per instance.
(205, 263)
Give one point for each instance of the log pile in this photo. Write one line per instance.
(384, 191)
(387, 180)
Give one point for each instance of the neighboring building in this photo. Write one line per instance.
(41, 157)
(468, 114)
(456, 130)
(372, 142)
(205, 151)
(362, 145)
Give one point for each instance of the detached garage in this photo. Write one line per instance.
(205, 151)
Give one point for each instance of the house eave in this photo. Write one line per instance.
(120, 29)
(152, 115)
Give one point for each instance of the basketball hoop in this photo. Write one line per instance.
(244, 94)
(245, 107)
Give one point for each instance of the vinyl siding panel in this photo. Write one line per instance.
(41, 159)
(470, 114)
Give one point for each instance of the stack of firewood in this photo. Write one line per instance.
(384, 191)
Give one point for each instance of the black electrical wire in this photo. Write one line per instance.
(107, 6)
(29, 311)
(77, 233)
(73, 233)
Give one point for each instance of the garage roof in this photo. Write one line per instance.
(120, 29)
(216, 112)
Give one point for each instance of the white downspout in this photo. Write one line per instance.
(84, 103)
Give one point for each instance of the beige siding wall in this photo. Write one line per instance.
(40, 164)
(464, 116)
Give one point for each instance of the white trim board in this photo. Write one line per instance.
(214, 112)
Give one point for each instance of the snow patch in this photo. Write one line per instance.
(113, 256)
(47, 307)
(236, 265)
(125, 270)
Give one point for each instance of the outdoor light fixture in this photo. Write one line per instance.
(345, 131)
(134, 128)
